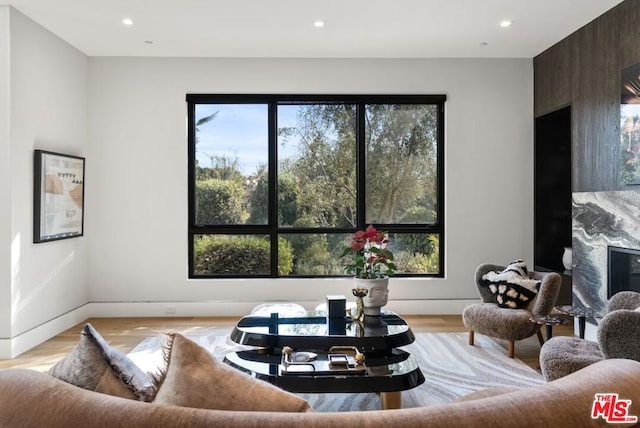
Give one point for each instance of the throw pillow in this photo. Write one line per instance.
(512, 287)
(194, 378)
(95, 365)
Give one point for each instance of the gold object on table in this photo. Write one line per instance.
(357, 313)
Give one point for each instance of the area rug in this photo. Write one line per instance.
(452, 368)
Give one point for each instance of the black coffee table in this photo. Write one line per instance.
(389, 370)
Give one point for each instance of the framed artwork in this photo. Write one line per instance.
(58, 197)
(630, 126)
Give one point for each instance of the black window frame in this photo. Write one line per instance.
(272, 229)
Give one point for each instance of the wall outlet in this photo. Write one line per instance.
(168, 310)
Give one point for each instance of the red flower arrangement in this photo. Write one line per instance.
(371, 258)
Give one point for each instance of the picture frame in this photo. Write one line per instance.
(629, 155)
(58, 196)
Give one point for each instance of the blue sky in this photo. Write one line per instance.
(240, 130)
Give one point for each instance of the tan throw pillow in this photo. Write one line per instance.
(193, 378)
(95, 365)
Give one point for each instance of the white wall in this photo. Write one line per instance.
(5, 177)
(48, 110)
(137, 174)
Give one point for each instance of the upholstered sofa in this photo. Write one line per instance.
(96, 385)
(32, 399)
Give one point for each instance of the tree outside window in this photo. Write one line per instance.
(278, 185)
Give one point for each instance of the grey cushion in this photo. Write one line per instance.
(504, 323)
(95, 365)
(563, 355)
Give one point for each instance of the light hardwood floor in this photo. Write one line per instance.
(126, 333)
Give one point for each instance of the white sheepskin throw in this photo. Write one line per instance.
(512, 287)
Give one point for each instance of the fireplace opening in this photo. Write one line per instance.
(623, 270)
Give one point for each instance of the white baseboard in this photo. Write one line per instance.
(231, 309)
(11, 348)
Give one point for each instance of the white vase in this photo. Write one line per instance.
(377, 294)
(567, 258)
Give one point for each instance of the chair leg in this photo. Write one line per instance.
(540, 338)
(512, 348)
(471, 337)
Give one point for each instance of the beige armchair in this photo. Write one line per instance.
(489, 319)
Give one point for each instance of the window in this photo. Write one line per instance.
(278, 184)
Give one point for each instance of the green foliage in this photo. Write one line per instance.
(417, 260)
(324, 166)
(222, 168)
(231, 255)
(415, 242)
(288, 192)
(312, 255)
(315, 260)
(219, 201)
(629, 148)
(285, 257)
(238, 255)
(259, 198)
(401, 160)
(419, 214)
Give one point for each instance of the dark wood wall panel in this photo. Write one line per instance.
(584, 71)
(553, 90)
(630, 34)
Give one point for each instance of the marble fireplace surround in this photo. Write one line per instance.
(600, 219)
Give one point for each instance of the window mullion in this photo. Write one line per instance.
(273, 186)
(440, 177)
(361, 151)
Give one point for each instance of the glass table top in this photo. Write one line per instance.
(395, 371)
(314, 330)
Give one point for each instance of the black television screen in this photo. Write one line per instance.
(623, 270)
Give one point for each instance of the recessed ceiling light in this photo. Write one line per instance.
(318, 23)
(127, 21)
(506, 23)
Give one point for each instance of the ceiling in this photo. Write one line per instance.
(285, 28)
